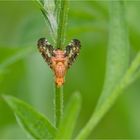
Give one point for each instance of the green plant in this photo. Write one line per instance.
(55, 13)
(118, 76)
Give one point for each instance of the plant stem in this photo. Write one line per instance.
(56, 13)
(62, 18)
(58, 105)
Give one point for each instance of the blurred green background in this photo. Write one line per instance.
(29, 78)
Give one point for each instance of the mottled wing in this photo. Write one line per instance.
(46, 49)
(72, 51)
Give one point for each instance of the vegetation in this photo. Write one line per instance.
(108, 63)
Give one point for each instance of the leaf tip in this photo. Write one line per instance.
(77, 96)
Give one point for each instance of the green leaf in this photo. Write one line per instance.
(55, 13)
(39, 3)
(117, 64)
(118, 50)
(19, 54)
(33, 122)
(48, 8)
(132, 73)
(129, 77)
(68, 122)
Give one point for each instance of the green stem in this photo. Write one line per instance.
(62, 18)
(58, 105)
(56, 13)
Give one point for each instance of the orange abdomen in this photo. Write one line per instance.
(59, 73)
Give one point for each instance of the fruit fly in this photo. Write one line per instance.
(59, 60)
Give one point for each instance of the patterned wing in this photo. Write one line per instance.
(46, 49)
(72, 51)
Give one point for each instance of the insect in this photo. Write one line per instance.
(59, 60)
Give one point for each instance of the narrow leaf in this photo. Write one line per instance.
(20, 54)
(129, 77)
(118, 50)
(33, 122)
(117, 64)
(39, 3)
(132, 73)
(47, 8)
(70, 116)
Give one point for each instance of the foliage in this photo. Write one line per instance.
(37, 125)
(24, 74)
